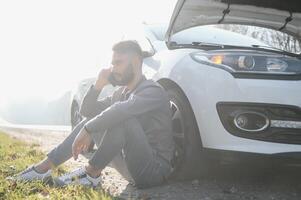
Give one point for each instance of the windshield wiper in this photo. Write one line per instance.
(212, 46)
(276, 49)
(200, 45)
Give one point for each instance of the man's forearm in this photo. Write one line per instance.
(89, 101)
(100, 84)
(90, 106)
(149, 99)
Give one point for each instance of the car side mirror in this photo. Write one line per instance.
(146, 54)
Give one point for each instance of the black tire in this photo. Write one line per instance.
(188, 161)
(75, 115)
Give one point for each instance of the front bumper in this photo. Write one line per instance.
(261, 121)
(206, 86)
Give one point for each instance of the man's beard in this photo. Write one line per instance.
(126, 78)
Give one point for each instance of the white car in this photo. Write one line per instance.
(232, 70)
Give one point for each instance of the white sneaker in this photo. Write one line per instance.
(31, 174)
(79, 177)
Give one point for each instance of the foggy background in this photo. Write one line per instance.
(47, 47)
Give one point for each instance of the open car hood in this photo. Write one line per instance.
(282, 15)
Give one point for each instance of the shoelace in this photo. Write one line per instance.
(27, 170)
(75, 173)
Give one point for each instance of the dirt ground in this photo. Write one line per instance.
(237, 181)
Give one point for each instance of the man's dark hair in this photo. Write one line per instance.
(128, 46)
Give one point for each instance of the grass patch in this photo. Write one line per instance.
(15, 156)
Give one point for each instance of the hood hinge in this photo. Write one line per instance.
(287, 20)
(225, 12)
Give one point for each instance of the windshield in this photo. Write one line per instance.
(239, 35)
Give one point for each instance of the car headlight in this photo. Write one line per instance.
(250, 63)
(276, 65)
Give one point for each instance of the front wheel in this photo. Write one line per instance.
(188, 161)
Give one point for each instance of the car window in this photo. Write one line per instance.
(240, 35)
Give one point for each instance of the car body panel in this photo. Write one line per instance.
(205, 86)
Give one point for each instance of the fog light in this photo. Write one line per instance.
(251, 121)
(285, 124)
(261, 121)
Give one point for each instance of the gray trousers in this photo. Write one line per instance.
(127, 146)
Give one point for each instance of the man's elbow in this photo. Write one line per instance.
(85, 112)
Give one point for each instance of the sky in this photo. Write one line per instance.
(47, 46)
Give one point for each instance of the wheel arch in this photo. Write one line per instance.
(74, 102)
(168, 83)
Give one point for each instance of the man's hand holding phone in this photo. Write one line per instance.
(102, 79)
